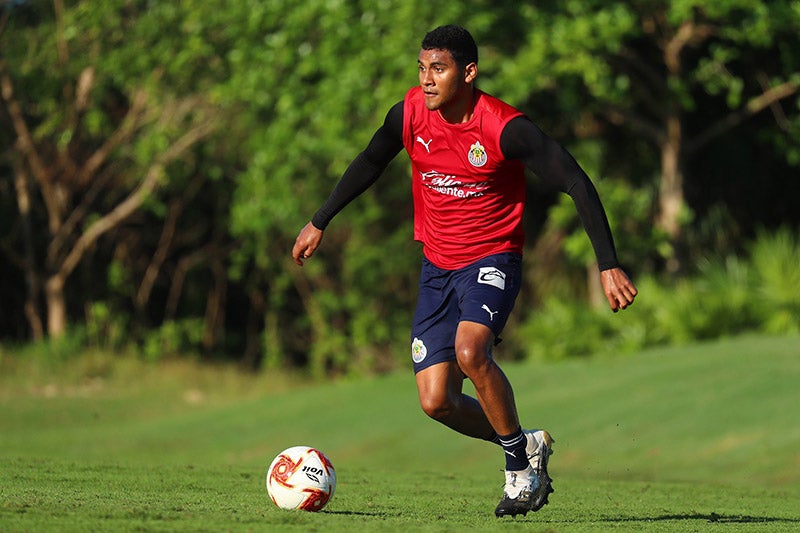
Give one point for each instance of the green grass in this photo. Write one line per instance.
(698, 438)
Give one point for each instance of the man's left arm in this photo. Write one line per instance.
(522, 139)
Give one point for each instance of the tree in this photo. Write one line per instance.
(162, 156)
(91, 147)
(318, 79)
(653, 68)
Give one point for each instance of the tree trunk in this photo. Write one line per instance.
(214, 323)
(597, 297)
(671, 197)
(56, 306)
(32, 283)
(253, 337)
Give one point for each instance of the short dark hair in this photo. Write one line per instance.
(455, 40)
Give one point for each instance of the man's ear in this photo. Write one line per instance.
(470, 72)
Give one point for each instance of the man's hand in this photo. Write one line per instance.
(619, 289)
(307, 241)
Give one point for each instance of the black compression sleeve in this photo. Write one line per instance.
(522, 139)
(366, 168)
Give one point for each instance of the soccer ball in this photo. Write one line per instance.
(302, 478)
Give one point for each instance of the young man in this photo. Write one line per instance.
(468, 151)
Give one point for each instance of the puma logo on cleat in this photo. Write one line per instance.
(491, 313)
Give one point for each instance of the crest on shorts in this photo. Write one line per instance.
(477, 154)
(418, 350)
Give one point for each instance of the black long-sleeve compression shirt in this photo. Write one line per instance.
(521, 139)
(366, 167)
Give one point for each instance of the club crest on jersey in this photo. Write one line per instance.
(477, 154)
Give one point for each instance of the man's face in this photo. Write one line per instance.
(442, 81)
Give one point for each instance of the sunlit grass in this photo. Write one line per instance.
(701, 437)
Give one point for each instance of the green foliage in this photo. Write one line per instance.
(685, 310)
(733, 294)
(775, 259)
(311, 109)
(637, 72)
(629, 211)
(294, 90)
(725, 297)
(61, 350)
(551, 331)
(173, 338)
(105, 328)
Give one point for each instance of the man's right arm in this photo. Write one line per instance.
(365, 169)
(362, 172)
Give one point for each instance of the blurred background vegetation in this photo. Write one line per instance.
(157, 160)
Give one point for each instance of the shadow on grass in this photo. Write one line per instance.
(354, 513)
(710, 517)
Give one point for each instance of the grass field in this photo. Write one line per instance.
(698, 438)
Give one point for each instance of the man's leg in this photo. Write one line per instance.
(493, 416)
(527, 486)
(440, 388)
(496, 397)
(441, 397)
(453, 333)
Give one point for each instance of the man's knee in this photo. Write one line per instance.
(473, 345)
(439, 407)
(439, 388)
(472, 359)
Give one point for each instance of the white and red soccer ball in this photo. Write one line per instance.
(302, 478)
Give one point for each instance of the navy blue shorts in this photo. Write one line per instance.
(482, 292)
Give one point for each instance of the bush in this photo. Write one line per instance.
(775, 261)
(174, 337)
(725, 297)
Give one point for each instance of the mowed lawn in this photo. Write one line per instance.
(698, 438)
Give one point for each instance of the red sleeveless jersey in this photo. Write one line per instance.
(468, 199)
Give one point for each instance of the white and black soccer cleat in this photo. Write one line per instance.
(518, 493)
(538, 450)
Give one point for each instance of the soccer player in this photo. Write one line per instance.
(468, 153)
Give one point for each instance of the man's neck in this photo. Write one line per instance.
(460, 111)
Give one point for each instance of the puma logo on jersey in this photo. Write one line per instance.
(425, 144)
(491, 313)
